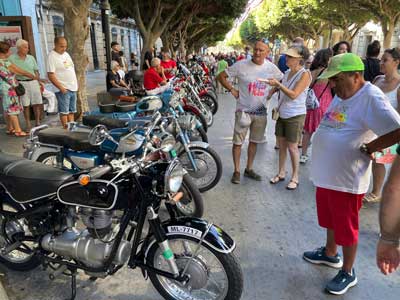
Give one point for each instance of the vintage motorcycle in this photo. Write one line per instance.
(71, 150)
(94, 221)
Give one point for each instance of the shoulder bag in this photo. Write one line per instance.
(19, 88)
(312, 101)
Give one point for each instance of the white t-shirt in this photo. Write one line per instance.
(252, 93)
(337, 163)
(63, 67)
(293, 107)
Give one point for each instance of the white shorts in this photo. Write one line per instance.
(32, 94)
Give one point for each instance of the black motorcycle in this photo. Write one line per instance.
(94, 221)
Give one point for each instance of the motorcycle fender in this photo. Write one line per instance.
(212, 235)
(192, 108)
(203, 93)
(36, 152)
(199, 144)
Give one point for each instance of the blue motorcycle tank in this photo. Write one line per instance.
(84, 160)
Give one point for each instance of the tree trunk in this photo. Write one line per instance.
(76, 28)
(149, 39)
(388, 31)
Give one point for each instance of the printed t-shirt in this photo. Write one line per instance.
(63, 67)
(337, 163)
(151, 79)
(168, 65)
(253, 93)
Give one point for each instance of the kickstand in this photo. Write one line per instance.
(73, 285)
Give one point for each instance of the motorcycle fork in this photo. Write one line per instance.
(185, 142)
(162, 240)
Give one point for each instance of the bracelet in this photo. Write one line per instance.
(395, 242)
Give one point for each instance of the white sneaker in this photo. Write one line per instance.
(304, 159)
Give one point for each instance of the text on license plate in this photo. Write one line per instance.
(186, 230)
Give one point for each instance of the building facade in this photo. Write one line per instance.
(47, 23)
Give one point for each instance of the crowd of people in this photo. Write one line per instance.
(348, 108)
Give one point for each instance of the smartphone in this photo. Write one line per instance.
(263, 80)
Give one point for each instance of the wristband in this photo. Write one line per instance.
(392, 242)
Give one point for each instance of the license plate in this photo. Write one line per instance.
(186, 230)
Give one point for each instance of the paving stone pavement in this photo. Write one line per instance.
(272, 228)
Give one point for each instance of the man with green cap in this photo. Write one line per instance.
(343, 147)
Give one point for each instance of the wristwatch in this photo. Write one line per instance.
(364, 149)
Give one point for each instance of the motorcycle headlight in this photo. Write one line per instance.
(174, 176)
(168, 143)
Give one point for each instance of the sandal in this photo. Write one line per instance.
(276, 179)
(21, 134)
(292, 188)
(10, 132)
(371, 198)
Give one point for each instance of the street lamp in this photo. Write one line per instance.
(105, 13)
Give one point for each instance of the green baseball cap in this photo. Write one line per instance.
(345, 62)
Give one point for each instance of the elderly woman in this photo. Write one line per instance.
(10, 100)
(116, 86)
(32, 96)
(292, 111)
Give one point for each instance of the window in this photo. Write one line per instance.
(114, 34)
(58, 26)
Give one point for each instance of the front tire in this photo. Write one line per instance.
(209, 167)
(192, 203)
(211, 102)
(230, 282)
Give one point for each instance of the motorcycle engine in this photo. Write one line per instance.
(91, 246)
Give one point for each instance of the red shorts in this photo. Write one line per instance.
(339, 211)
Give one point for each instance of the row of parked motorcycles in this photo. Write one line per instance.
(124, 188)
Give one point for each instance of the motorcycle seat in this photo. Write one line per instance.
(69, 139)
(94, 120)
(25, 180)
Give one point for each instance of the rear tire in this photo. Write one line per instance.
(27, 264)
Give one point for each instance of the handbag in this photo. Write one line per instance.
(275, 110)
(19, 88)
(312, 101)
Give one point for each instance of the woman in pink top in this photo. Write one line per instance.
(323, 93)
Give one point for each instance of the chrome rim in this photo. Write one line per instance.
(186, 205)
(206, 164)
(208, 279)
(16, 256)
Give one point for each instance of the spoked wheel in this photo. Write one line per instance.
(209, 167)
(197, 134)
(23, 257)
(211, 102)
(213, 275)
(191, 204)
(208, 115)
(200, 118)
